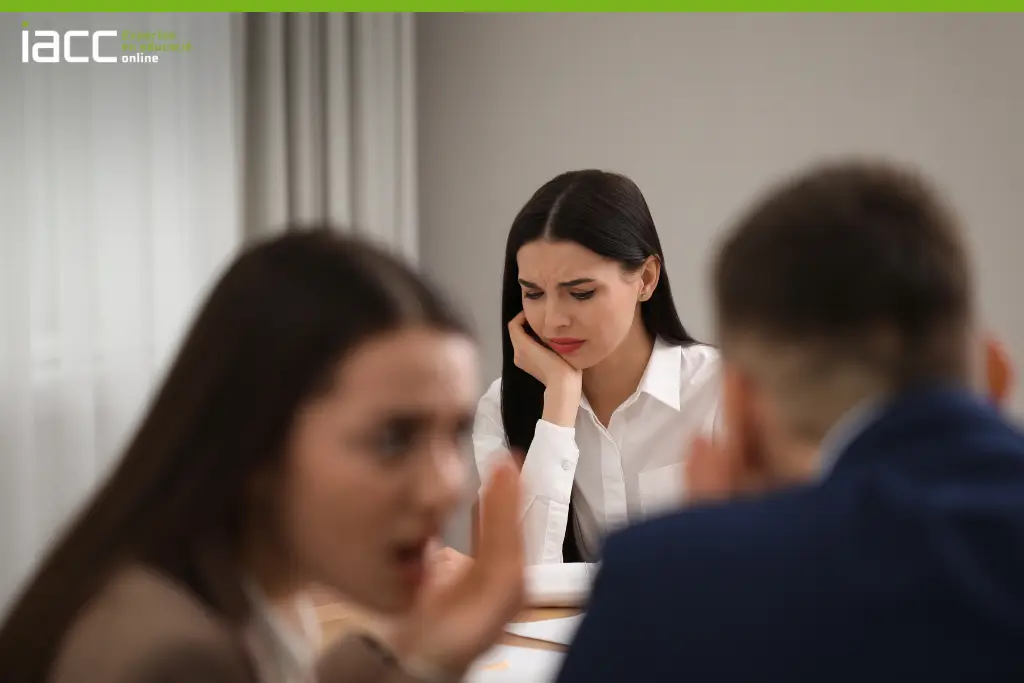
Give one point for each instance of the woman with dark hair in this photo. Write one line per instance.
(601, 385)
(309, 431)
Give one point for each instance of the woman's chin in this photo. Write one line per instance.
(581, 363)
(381, 597)
(391, 601)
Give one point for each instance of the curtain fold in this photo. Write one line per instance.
(124, 205)
(330, 124)
(129, 187)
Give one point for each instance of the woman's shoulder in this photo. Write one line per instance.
(491, 399)
(140, 624)
(700, 366)
(701, 357)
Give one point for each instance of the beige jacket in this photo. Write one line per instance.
(143, 628)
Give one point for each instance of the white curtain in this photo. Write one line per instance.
(330, 123)
(125, 189)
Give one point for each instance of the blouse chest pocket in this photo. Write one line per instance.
(661, 489)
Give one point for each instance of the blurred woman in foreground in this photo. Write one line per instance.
(310, 431)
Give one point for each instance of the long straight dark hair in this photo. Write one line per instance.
(266, 340)
(607, 214)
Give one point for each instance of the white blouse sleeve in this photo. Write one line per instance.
(546, 477)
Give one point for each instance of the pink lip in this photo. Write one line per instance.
(566, 346)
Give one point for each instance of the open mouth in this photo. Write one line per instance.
(411, 562)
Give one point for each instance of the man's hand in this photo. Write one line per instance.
(709, 473)
(717, 469)
(998, 371)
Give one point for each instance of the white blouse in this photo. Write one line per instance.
(630, 470)
(281, 652)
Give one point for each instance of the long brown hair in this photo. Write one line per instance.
(263, 343)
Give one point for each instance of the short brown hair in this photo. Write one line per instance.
(847, 254)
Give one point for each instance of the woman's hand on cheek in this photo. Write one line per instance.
(563, 384)
(458, 618)
(531, 356)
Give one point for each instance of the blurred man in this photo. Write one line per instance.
(876, 527)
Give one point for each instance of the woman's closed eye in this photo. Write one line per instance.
(580, 296)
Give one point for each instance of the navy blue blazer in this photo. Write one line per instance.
(906, 563)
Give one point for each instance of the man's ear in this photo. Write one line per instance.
(998, 371)
(650, 273)
(734, 406)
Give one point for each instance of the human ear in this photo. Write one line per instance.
(650, 272)
(743, 422)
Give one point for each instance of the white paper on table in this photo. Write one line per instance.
(560, 631)
(559, 585)
(510, 664)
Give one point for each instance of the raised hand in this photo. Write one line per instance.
(722, 467)
(710, 472)
(998, 371)
(447, 564)
(458, 618)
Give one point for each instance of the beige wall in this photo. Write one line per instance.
(702, 110)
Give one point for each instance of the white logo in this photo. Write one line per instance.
(46, 46)
(136, 47)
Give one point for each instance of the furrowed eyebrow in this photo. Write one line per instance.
(410, 421)
(570, 283)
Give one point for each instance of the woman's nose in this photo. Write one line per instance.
(444, 479)
(555, 316)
